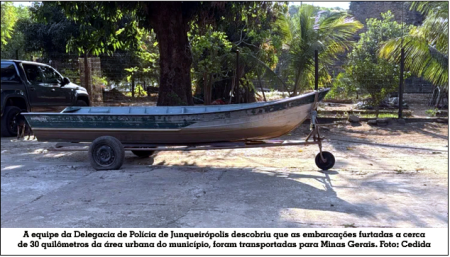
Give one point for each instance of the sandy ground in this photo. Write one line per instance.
(393, 176)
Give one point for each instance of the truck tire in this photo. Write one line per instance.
(9, 127)
(106, 153)
(81, 103)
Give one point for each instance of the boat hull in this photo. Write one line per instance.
(258, 121)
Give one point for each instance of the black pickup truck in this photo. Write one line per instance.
(31, 86)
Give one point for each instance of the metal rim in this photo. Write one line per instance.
(104, 155)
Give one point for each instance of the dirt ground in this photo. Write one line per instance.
(417, 147)
(379, 170)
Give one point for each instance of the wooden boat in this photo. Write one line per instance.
(175, 125)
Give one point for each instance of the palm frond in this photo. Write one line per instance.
(440, 9)
(282, 27)
(258, 64)
(420, 58)
(330, 36)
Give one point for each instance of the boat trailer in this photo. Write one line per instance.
(108, 153)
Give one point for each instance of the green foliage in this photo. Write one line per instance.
(99, 81)
(330, 35)
(206, 48)
(342, 87)
(48, 30)
(256, 29)
(102, 28)
(432, 112)
(73, 75)
(426, 46)
(9, 19)
(210, 51)
(13, 40)
(145, 58)
(373, 75)
(139, 91)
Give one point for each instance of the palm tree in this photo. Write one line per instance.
(330, 35)
(426, 46)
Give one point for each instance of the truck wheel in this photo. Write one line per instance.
(81, 103)
(9, 126)
(106, 153)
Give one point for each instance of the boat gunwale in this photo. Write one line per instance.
(263, 104)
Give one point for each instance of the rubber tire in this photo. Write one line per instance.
(81, 103)
(325, 165)
(116, 149)
(142, 153)
(8, 115)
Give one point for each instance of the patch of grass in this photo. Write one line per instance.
(380, 116)
(431, 112)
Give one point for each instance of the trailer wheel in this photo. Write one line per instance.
(106, 153)
(9, 126)
(142, 153)
(329, 157)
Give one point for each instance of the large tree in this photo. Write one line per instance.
(171, 23)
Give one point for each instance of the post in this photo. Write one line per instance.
(400, 86)
(236, 83)
(132, 85)
(87, 74)
(17, 54)
(316, 73)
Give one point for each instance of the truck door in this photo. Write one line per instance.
(53, 80)
(44, 88)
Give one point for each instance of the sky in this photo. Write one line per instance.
(22, 3)
(343, 5)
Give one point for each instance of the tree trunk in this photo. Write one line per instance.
(207, 85)
(175, 56)
(237, 90)
(297, 79)
(261, 86)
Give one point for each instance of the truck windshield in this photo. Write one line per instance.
(9, 72)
